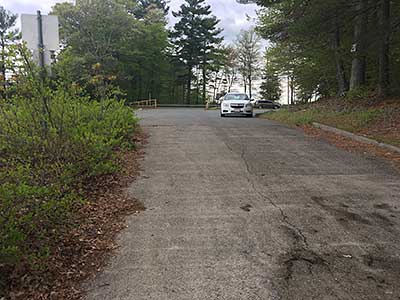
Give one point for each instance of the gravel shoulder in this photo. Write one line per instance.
(249, 209)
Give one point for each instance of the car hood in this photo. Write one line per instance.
(237, 101)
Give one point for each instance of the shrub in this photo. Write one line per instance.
(52, 140)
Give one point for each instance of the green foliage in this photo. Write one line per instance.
(141, 7)
(128, 39)
(248, 50)
(197, 43)
(8, 36)
(314, 43)
(271, 87)
(52, 140)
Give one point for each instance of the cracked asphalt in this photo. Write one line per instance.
(243, 208)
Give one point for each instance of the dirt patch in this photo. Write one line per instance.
(84, 249)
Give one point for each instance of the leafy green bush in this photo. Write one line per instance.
(52, 140)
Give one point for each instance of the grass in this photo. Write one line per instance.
(376, 122)
(352, 121)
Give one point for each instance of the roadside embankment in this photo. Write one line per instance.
(378, 120)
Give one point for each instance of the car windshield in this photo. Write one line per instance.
(236, 97)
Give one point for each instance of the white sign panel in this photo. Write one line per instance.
(30, 34)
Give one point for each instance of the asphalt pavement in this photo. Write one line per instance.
(247, 209)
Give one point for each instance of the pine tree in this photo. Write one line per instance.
(270, 88)
(196, 39)
(211, 53)
(142, 6)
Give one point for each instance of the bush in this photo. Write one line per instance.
(52, 140)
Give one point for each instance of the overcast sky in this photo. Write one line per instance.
(232, 14)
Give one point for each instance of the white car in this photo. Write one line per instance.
(236, 104)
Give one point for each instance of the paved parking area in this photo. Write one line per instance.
(243, 209)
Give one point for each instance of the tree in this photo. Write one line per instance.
(230, 66)
(270, 88)
(310, 41)
(93, 30)
(384, 49)
(248, 51)
(359, 48)
(129, 49)
(140, 8)
(7, 38)
(195, 37)
(343, 44)
(211, 52)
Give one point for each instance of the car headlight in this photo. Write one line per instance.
(225, 104)
(249, 105)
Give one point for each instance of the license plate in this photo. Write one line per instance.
(237, 110)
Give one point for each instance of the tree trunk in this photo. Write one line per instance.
(3, 59)
(3, 66)
(197, 85)
(292, 91)
(343, 84)
(183, 93)
(173, 86)
(231, 79)
(204, 83)
(385, 28)
(358, 68)
(189, 85)
(215, 86)
(249, 81)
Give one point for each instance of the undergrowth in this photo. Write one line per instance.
(53, 140)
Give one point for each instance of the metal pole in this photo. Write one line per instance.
(40, 39)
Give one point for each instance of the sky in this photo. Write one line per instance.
(233, 16)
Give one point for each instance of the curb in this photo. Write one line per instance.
(356, 137)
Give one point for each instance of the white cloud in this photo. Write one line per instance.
(233, 15)
(28, 6)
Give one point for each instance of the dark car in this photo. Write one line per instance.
(267, 104)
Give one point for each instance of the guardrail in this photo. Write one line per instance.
(153, 103)
(184, 105)
(150, 103)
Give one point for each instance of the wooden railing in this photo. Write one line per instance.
(150, 103)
